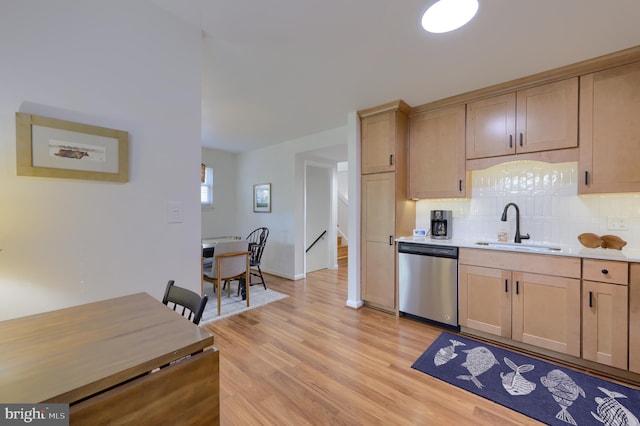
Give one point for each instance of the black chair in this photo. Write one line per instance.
(257, 241)
(191, 303)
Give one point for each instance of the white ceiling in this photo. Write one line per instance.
(276, 70)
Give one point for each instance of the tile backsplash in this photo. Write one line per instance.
(551, 211)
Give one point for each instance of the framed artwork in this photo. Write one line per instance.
(47, 147)
(262, 198)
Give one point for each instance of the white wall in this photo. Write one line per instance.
(221, 219)
(318, 186)
(282, 165)
(342, 181)
(551, 210)
(120, 64)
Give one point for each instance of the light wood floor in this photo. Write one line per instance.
(310, 360)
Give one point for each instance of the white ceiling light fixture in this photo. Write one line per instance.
(448, 15)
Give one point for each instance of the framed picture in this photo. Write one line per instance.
(46, 147)
(262, 198)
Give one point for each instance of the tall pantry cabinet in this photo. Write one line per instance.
(386, 212)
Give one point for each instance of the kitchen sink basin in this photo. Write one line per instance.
(520, 247)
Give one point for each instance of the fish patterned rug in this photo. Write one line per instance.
(543, 391)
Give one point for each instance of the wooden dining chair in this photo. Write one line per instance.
(191, 303)
(230, 262)
(257, 242)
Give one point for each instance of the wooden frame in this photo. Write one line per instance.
(47, 147)
(262, 198)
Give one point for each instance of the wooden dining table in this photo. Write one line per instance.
(129, 357)
(209, 244)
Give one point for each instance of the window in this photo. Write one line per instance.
(206, 188)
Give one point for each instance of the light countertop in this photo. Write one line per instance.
(625, 255)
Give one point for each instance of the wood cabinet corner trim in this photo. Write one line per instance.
(577, 69)
(398, 105)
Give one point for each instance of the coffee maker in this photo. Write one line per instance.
(441, 224)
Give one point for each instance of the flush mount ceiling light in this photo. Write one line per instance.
(448, 15)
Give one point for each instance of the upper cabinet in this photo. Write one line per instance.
(585, 112)
(547, 117)
(491, 126)
(541, 118)
(379, 136)
(436, 153)
(610, 131)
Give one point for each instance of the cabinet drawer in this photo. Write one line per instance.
(562, 266)
(606, 271)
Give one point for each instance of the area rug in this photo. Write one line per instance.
(538, 389)
(234, 305)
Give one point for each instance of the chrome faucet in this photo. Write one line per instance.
(518, 238)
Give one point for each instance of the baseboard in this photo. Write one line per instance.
(285, 276)
(355, 304)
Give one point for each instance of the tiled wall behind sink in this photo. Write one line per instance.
(550, 209)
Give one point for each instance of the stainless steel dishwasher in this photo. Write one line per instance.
(428, 282)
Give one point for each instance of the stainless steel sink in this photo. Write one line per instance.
(520, 247)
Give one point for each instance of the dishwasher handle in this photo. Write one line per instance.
(428, 250)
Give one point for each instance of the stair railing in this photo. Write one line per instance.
(317, 239)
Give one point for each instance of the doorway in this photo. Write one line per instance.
(319, 221)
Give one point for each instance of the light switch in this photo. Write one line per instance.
(174, 212)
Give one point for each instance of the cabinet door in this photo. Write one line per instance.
(546, 312)
(604, 323)
(436, 153)
(378, 140)
(610, 131)
(634, 318)
(378, 252)
(484, 299)
(491, 125)
(548, 117)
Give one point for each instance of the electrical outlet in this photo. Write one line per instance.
(617, 224)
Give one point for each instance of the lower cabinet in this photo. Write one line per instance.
(604, 319)
(484, 299)
(546, 312)
(500, 294)
(586, 308)
(634, 318)
(604, 312)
